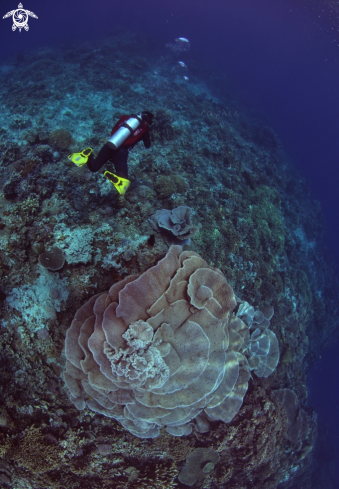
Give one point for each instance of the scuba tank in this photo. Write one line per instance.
(126, 130)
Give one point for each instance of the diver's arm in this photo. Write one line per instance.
(147, 140)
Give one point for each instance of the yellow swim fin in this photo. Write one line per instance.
(120, 183)
(80, 159)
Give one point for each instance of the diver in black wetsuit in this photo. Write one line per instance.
(117, 155)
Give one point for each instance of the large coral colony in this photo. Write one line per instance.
(164, 349)
(160, 341)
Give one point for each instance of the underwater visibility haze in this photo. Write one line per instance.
(169, 239)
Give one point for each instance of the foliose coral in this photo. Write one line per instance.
(176, 222)
(163, 349)
(297, 418)
(263, 346)
(198, 464)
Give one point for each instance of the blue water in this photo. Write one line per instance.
(282, 59)
(323, 380)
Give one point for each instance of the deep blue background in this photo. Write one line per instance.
(323, 382)
(280, 57)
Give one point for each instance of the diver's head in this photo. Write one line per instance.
(147, 117)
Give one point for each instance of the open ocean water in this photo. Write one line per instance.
(239, 166)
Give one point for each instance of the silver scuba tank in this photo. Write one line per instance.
(126, 130)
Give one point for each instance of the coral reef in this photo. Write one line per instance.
(259, 227)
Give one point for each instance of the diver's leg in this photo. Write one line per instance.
(120, 178)
(120, 162)
(106, 153)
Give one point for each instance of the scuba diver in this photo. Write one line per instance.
(127, 132)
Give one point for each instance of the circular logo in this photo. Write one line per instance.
(20, 18)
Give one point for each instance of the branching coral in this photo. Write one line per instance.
(161, 477)
(34, 452)
(163, 349)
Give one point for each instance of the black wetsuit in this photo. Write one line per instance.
(118, 156)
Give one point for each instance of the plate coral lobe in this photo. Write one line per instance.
(163, 349)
